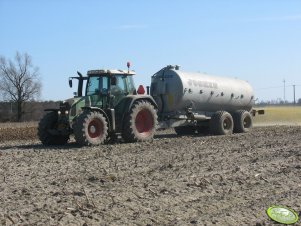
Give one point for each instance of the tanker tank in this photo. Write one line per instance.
(177, 91)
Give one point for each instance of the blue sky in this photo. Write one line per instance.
(258, 41)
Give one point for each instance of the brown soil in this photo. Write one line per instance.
(17, 133)
(188, 180)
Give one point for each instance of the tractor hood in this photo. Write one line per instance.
(71, 101)
(75, 104)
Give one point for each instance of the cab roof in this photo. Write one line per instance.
(114, 71)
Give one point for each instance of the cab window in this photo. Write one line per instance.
(132, 88)
(97, 85)
(120, 86)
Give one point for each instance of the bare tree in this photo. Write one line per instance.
(19, 81)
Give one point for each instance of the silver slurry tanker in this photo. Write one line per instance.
(193, 102)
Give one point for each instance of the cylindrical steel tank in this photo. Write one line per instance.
(176, 90)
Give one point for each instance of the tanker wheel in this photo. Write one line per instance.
(185, 130)
(140, 123)
(50, 123)
(243, 121)
(90, 128)
(221, 123)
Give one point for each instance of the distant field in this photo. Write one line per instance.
(286, 115)
(18, 124)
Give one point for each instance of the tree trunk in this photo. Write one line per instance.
(19, 111)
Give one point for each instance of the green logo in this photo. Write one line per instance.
(282, 214)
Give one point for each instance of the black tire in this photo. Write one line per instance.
(91, 128)
(111, 138)
(221, 123)
(47, 123)
(140, 123)
(185, 130)
(243, 121)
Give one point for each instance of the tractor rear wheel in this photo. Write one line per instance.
(243, 121)
(91, 128)
(221, 123)
(48, 125)
(140, 123)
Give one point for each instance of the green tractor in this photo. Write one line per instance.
(111, 106)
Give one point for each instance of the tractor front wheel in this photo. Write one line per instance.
(48, 132)
(91, 128)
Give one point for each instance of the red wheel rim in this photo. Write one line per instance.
(144, 122)
(95, 128)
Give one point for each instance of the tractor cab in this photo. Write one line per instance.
(111, 85)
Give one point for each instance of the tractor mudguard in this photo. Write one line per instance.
(134, 98)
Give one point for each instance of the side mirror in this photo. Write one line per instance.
(113, 81)
(70, 83)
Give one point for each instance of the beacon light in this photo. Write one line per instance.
(141, 90)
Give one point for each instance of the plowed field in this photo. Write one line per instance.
(173, 180)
